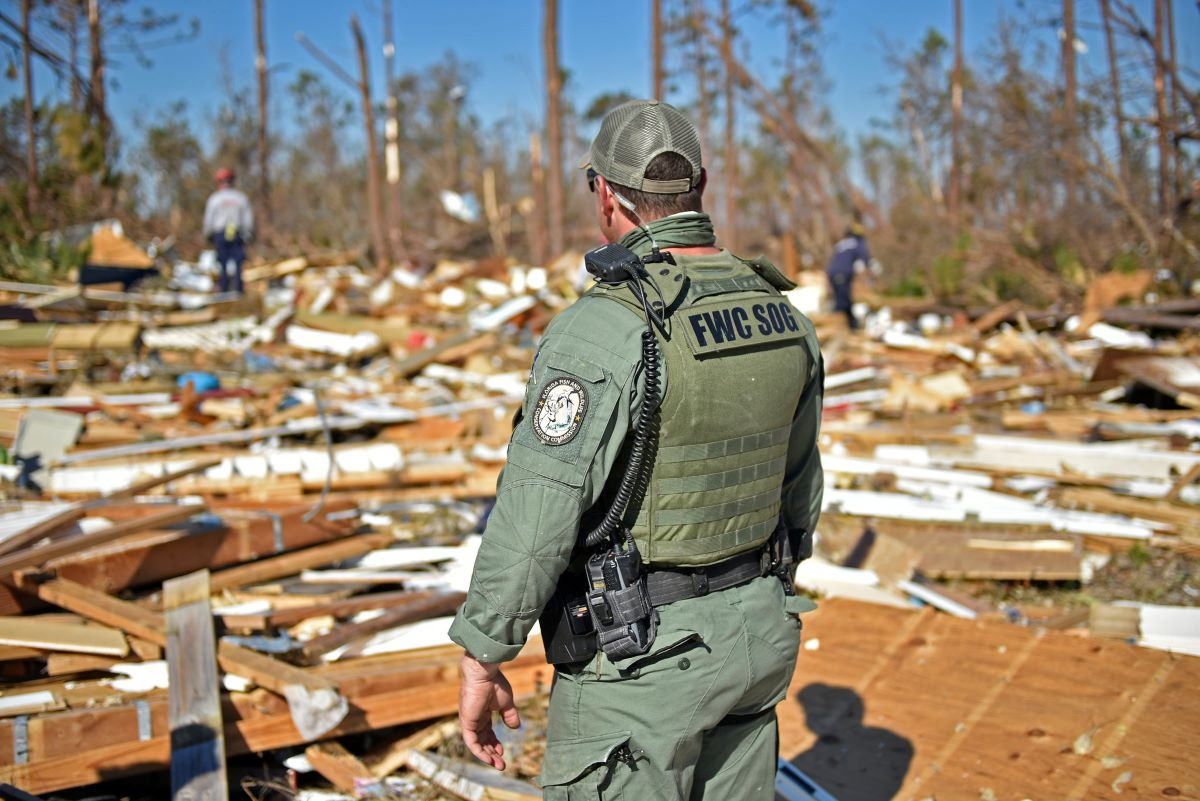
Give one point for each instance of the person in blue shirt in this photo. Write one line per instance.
(849, 250)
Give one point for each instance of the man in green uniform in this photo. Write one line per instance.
(730, 479)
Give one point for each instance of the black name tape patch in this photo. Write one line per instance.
(744, 323)
(560, 410)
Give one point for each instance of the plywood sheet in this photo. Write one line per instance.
(897, 704)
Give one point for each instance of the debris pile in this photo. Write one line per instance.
(307, 466)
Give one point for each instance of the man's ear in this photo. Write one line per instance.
(700, 187)
(608, 203)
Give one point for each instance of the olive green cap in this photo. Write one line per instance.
(636, 131)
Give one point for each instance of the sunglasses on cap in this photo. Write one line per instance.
(591, 179)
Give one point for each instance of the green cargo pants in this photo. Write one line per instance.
(692, 719)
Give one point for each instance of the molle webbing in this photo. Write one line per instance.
(726, 418)
(724, 447)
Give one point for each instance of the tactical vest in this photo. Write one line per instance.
(736, 360)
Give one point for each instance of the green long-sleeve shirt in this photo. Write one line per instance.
(582, 399)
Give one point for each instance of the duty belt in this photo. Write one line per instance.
(670, 584)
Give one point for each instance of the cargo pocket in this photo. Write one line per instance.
(583, 768)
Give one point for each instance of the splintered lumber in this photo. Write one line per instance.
(194, 705)
(390, 757)
(1160, 511)
(421, 606)
(249, 535)
(31, 632)
(339, 608)
(343, 769)
(147, 484)
(468, 780)
(38, 555)
(79, 747)
(315, 702)
(291, 563)
(43, 528)
(1186, 480)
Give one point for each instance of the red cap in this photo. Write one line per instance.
(223, 175)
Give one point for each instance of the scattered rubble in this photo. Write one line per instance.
(307, 466)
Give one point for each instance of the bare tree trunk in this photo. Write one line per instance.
(1114, 79)
(69, 11)
(96, 89)
(730, 162)
(1068, 66)
(31, 164)
(657, 46)
(264, 154)
(1163, 122)
(701, 67)
(956, 103)
(1177, 178)
(374, 196)
(535, 221)
(491, 208)
(394, 205)
(554, 194)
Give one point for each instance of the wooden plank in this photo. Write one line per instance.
(143, 486)
(253, 723)
(1135, 507)
(250, 534)
(45, 528)
(197, 732)
(36, 556)
(1186, 480)
(390, 757)
(342, 769)
(470, 781)
(315, 700)
(422, 606)
(291, 563)
(30, 632)
(340, 608)
(101, 607)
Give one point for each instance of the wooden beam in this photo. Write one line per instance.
(421, 607)
(250, 534)
(1189, 478)
(291, 563)
(31, 632)
(197, 733)
(314, 700)
(101, 607)
(65, 518)
(143, 486)
(252, 724)
(341, 768)
(36, 556)
(342, 608)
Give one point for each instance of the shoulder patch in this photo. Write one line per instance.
(560, 410)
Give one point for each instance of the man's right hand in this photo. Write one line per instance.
(482, 689)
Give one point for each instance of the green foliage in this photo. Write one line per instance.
(1139, 555)
(39, 262)
(909, 286)
(947, 272)
(1127, 263)
(1068, 265)
(604, 103)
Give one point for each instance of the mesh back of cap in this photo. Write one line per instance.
(633, 134)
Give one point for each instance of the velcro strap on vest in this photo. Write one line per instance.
(670, 584)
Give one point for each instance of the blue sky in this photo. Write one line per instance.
(604, 45)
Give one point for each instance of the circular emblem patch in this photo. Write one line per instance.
(560, 411)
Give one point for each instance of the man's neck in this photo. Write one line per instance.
(626, 226)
